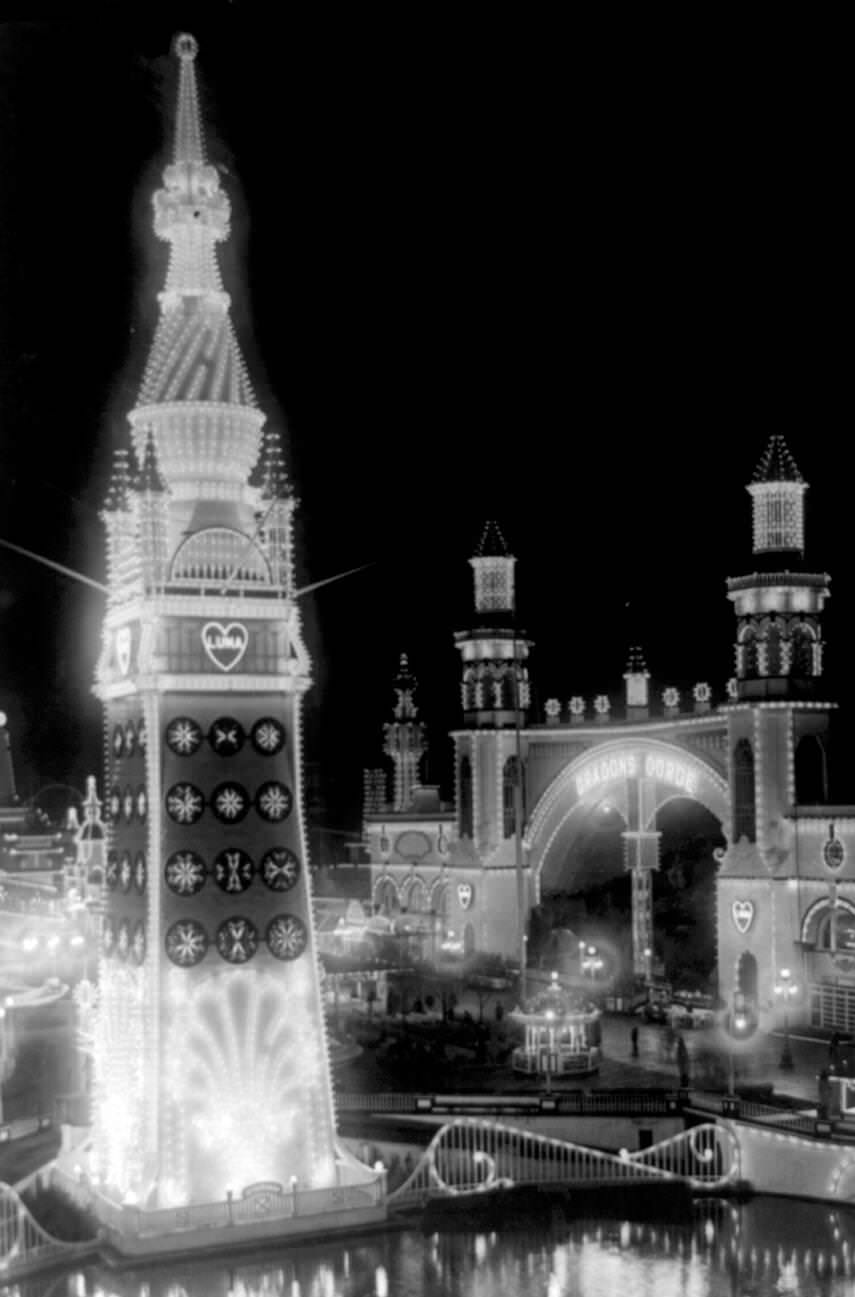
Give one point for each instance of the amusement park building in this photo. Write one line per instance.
(757, 760)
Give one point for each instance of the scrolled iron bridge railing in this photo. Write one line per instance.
(475, 1156)
(24, 1245)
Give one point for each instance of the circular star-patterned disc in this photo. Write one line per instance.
(126, 871)
(226, 736)
(186, 943)
(183, 736)
(234, 870)
(286, 936)
(142, 803)
(140, 872)
(138, 942)
(273, 801)
(111, 873)
(108, 936)
(237, 940)
(185, 873)
(268, 736)
(118, 742)
(185, 803)
(280, 869)
(130, 738)
(230, 802)
(128, 804)
(114, 803)
(123, 939)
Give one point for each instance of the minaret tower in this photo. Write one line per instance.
(495, 686)
(404, 738)
(637, 679)
(211, 1059)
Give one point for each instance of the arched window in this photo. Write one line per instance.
(811, 771)
(746, 976)
(386, 897)
(509, 783)
(750, 662)
(465, 799)
(801, 653)
(439, 902)
(743, 792)
(773, 650)
(839, 923)
(417, 897)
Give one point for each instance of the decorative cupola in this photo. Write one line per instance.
(636, 676)
(495, 687)
(777, 492)
(120, 520)
(778, 607)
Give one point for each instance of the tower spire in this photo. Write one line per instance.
(189, 143)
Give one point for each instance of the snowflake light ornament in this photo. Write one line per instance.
(226, 736)
(602, 704)
(185, 803)
(185, 873)
(234, 870)
(130, 738)
(280, 869)
(140, 872)
(118, 742)
(111, 873)
(268, 736)
(237, 940)
(552, 707)
(273, 801)
(577, 706)
(123, 939)
(671, 697)
(286, 937)
(183, 736)
(230, 802)
(702, 692)
(186, 943)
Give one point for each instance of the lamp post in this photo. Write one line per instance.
(648, 955)
(786, 990)
(592, 963)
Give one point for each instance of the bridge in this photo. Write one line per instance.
(24, 1246)
(471, 1155)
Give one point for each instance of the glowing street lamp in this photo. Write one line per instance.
(592, 963)
(786, 990)
(648, 955)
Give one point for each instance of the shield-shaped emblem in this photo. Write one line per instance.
(743, 915)
(225, 645)
(465, 893)
(123, 649)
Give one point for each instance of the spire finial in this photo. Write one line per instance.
(189, 146)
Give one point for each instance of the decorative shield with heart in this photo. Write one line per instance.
(743, 915)
(123, 649)
(225, 645)
(465, 894)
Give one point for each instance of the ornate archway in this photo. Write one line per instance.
(636, 777)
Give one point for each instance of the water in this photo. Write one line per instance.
(763, 1248)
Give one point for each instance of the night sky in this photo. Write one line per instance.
(476, 272)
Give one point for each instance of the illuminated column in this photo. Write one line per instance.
(641, 857)
(211, 1066)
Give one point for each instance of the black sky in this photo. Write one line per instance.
(477, 271)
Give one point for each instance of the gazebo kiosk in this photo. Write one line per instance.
(562, 1034)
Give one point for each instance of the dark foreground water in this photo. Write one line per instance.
(763, 1248)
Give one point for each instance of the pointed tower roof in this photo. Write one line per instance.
(150, 479)
(777, 464)
(195, 368)
(492, 543)
(271, 473)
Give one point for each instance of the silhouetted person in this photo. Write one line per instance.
(683, 1062)
(633, 1035)
(823, 1107)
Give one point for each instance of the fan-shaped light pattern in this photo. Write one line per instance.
(220, 554)
(195, 355)
(249, 1099)
(119, 1109)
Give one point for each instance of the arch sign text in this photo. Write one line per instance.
(631, 765)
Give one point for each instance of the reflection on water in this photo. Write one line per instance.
(763, 1248)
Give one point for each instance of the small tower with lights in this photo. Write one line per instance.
(637, 679)
(404, 738)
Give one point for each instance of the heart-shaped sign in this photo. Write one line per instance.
(465, 893)
(743, 915)
(225, 645)
(123, 649)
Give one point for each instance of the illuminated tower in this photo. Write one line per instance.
(404, 738)
(211, 1058)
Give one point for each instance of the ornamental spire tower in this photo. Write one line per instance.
(404, 737)
(211, 1066)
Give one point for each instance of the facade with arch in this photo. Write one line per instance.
(754, 755)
